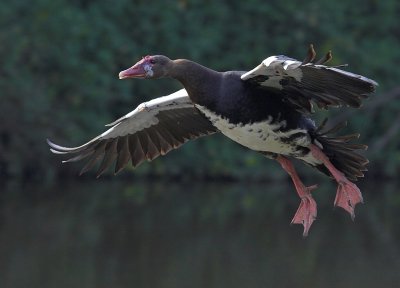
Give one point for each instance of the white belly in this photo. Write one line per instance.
(262, 136)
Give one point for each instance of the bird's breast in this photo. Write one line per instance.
(266, 135)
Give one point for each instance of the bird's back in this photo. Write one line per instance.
(243, 103)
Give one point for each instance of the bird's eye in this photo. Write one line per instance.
(152, 61)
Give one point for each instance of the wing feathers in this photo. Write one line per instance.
(137, 155)
(158, 141)
(154, 128)
(97, 155)
(166, 134)
(310, 55)
(81, 156)
(143, 142)
(152, 151)
(123, 154)
(109, 156)
(301, 83)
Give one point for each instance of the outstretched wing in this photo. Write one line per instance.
(154, 128)
(301, 83)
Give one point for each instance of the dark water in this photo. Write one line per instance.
(112, 234)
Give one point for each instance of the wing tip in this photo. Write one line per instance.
(54, 148)
(50, 143)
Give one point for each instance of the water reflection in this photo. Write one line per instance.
(109, 234)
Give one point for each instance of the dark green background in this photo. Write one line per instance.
(58, 79)
(60, 60)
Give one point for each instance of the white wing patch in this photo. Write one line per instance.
(276, 68)
(137, 120)
(142, 117)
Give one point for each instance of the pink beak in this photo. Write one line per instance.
(136, 71)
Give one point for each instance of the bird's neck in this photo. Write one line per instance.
(201, 83)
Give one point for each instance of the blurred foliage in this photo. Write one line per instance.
(60, 61)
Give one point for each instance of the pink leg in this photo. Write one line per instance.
(348, 195)
(307, 211)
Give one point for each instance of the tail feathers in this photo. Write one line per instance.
(341, 152)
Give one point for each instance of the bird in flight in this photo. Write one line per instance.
(267, 109)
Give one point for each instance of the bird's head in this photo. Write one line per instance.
(150, 67)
